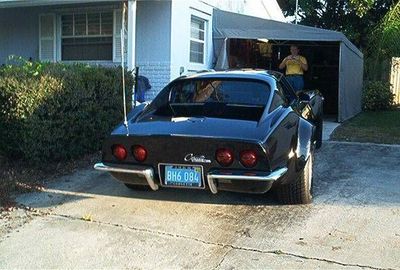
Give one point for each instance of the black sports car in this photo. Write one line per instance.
(243, 130)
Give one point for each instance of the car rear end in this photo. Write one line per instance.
(202, 132)
(183, 162)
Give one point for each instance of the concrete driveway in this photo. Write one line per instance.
(88, 220)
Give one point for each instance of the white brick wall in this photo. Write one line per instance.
(158, 74)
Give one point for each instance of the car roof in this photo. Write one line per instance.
(260, 74)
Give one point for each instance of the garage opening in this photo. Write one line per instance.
(335, 64)
(322, 58)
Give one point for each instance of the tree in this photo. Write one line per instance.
(384, 44)
(355, 18)
(387, 33)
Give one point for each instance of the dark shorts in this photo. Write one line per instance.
(296, 81)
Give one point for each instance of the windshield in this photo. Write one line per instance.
(240, 92)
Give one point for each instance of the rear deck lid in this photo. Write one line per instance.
(197, 127)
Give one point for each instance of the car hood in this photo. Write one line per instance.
(196, 127)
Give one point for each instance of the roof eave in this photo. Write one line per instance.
(35, 3)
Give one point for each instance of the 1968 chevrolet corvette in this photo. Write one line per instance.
(243, 130)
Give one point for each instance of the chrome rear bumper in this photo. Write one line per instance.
(148, 173)
(243, 175)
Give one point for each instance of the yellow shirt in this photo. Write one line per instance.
(293, 67)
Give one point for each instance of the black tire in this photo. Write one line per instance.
(137, 187)
(300, 190)
(318, 133)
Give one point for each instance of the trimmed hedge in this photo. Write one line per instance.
(377, 96)
(54, 112)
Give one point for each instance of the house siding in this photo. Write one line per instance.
(19, 28)
(158, 74)
(19, 33)
(153, 43)
(163, 35)
(162, 46)
(182, 11)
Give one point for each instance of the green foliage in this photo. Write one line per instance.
(390, 31)
(29, 67)
(355, 18)
(377, 96)
(384, 44)
(361, 6)
(376, 68)
(53, 112)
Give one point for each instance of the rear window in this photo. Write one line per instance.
(233, 92)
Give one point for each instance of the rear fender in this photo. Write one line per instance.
(305, 142)
(298, 159)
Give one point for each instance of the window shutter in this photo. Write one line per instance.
(117, 37)
(47, 37)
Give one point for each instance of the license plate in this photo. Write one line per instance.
(183, 176)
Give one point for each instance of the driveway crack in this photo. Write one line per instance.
(223, 245)
(222, 259)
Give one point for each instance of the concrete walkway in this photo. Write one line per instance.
(329, 127)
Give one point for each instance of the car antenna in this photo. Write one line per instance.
(135, 85)
(123, 67)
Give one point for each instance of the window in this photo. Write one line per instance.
(287, 90)
(277, 101)
(238, 92)
(220, 98)
(197, 40)
(279, 98)
(87, 36)
(281, 92)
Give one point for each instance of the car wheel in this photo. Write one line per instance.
(137, 187)
(300, 190)
(318, 133)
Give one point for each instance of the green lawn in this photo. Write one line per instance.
(375, 127)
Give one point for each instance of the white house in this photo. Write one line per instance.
(164, 38)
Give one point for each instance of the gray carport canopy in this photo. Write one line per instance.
(227, 25)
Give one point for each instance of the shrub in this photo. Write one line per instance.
(377, 96)
(53, 112)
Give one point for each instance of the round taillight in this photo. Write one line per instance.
(140, 153)
(248, 158)
(119, 151)
(224, 157)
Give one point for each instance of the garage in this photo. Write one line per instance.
(335, 64)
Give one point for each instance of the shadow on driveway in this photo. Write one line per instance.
(344, 174)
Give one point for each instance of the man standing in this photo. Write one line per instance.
(295, 66)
